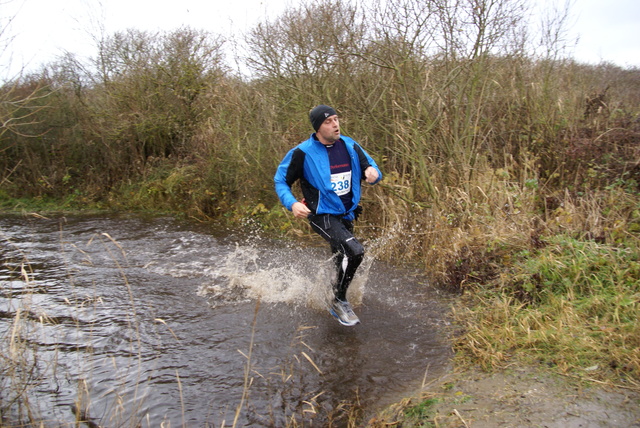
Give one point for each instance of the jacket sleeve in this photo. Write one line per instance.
(366, 161)
(288, 172)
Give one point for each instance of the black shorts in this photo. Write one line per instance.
(338, 232)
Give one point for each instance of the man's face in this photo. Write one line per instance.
(329, 131)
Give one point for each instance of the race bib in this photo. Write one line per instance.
(341, 183)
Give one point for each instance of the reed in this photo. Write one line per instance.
(20, 363)
(490, 145)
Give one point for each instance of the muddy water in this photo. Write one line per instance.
(130, 320)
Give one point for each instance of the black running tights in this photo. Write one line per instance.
(338, 232)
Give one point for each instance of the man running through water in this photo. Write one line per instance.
(330, 167)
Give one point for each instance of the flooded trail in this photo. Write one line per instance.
(131, 320)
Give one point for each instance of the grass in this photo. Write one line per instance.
(573, 304)
(501, 181)
(557, 290)
(421, 411)
(566, 298)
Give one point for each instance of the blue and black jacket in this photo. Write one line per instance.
(309, 163)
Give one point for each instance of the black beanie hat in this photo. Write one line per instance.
(319, 114)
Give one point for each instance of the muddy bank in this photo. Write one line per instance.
(518, 397)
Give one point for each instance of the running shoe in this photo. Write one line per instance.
(344, 313)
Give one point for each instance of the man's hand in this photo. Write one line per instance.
(300, 210)
(371, 174)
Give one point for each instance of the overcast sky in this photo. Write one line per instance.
(607, 30)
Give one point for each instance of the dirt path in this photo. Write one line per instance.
(521, 398)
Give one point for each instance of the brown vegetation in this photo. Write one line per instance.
(487, 149)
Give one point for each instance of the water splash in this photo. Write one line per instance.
(281, 276)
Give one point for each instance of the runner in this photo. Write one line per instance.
(330, 168)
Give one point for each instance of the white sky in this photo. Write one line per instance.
(607, 30)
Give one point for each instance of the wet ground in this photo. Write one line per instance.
(521, 397)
